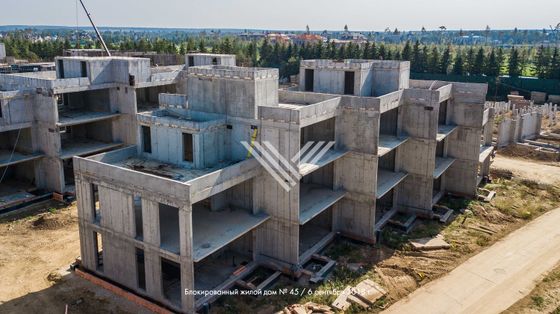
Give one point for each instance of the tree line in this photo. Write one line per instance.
(541, 62)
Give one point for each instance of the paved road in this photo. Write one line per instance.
(496, 278)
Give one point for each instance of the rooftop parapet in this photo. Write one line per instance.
(199, 59)
(233, 72)
(234, 91)
(355, 64)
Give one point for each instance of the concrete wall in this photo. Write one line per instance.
(209, 59)
(231, 90)
(521, 127)
(2, 51)
(390, 76)
(17, 110)
(372, 77)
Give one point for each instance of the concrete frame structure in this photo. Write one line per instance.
(88, 105)
(187, 208)
(2, 52)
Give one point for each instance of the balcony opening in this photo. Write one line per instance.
(191, 61)
(83, 67)
(440, 149)
(214, 61)
(321, 131)
(188, 147)
(18, 184)
(60, 68)
(223, 218)
(98, 247)
(147, 98)
(349, 82)
(213, 270)
(317, 229)
(68, 168)
(171, 281)
(388, 176)
(86, 139)
(146, 139)
(96, 209)
(437, 187)
(169, 228)
(317, 195)
(388, 122)
(309, 80)
(442, 115)
(74, 107)
(140, 269)
(138, 220)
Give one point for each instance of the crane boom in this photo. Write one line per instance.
(96, 30)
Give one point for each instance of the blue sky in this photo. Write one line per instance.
(290, 14)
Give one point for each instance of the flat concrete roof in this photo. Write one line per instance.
(166, 170)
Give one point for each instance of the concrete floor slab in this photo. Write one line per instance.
(330, 156)
(314, 199)
(82, 147)
(387, 180)
(388, 142)
(442, 164)
(6, 158)
(485, 152)
(75, 117)
(444, 131)
(214, 230)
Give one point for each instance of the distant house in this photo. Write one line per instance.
(251, 36)
(350, 37)
(274, 38)
(306, 38)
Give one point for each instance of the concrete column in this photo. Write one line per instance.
(187, 267)
(152, 262)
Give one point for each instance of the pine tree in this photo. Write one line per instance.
(542, 62)
(373, 52)
(366, 51)
(478, 66)
(406, 54)
(514, 68)
(492, 67)
(382, 52)
(500, 57)
(416, 62)
(341, 55)
(458, 65)
(226, 46)
(332, 50)
(202, 46)
(445, 61)
(424, 60)
(469, 61)
(265, 53)
(433, 62)
(554, 69)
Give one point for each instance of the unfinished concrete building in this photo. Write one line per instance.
(88, 105)
(189, 209)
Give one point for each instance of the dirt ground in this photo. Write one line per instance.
(544, 172)
(35, 253)
(36, 250)
(545, 298)
(399, 269)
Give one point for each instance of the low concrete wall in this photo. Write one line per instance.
(523, 127)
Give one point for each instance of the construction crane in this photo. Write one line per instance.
(96, 30)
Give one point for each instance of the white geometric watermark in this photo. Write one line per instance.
(286, 172)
